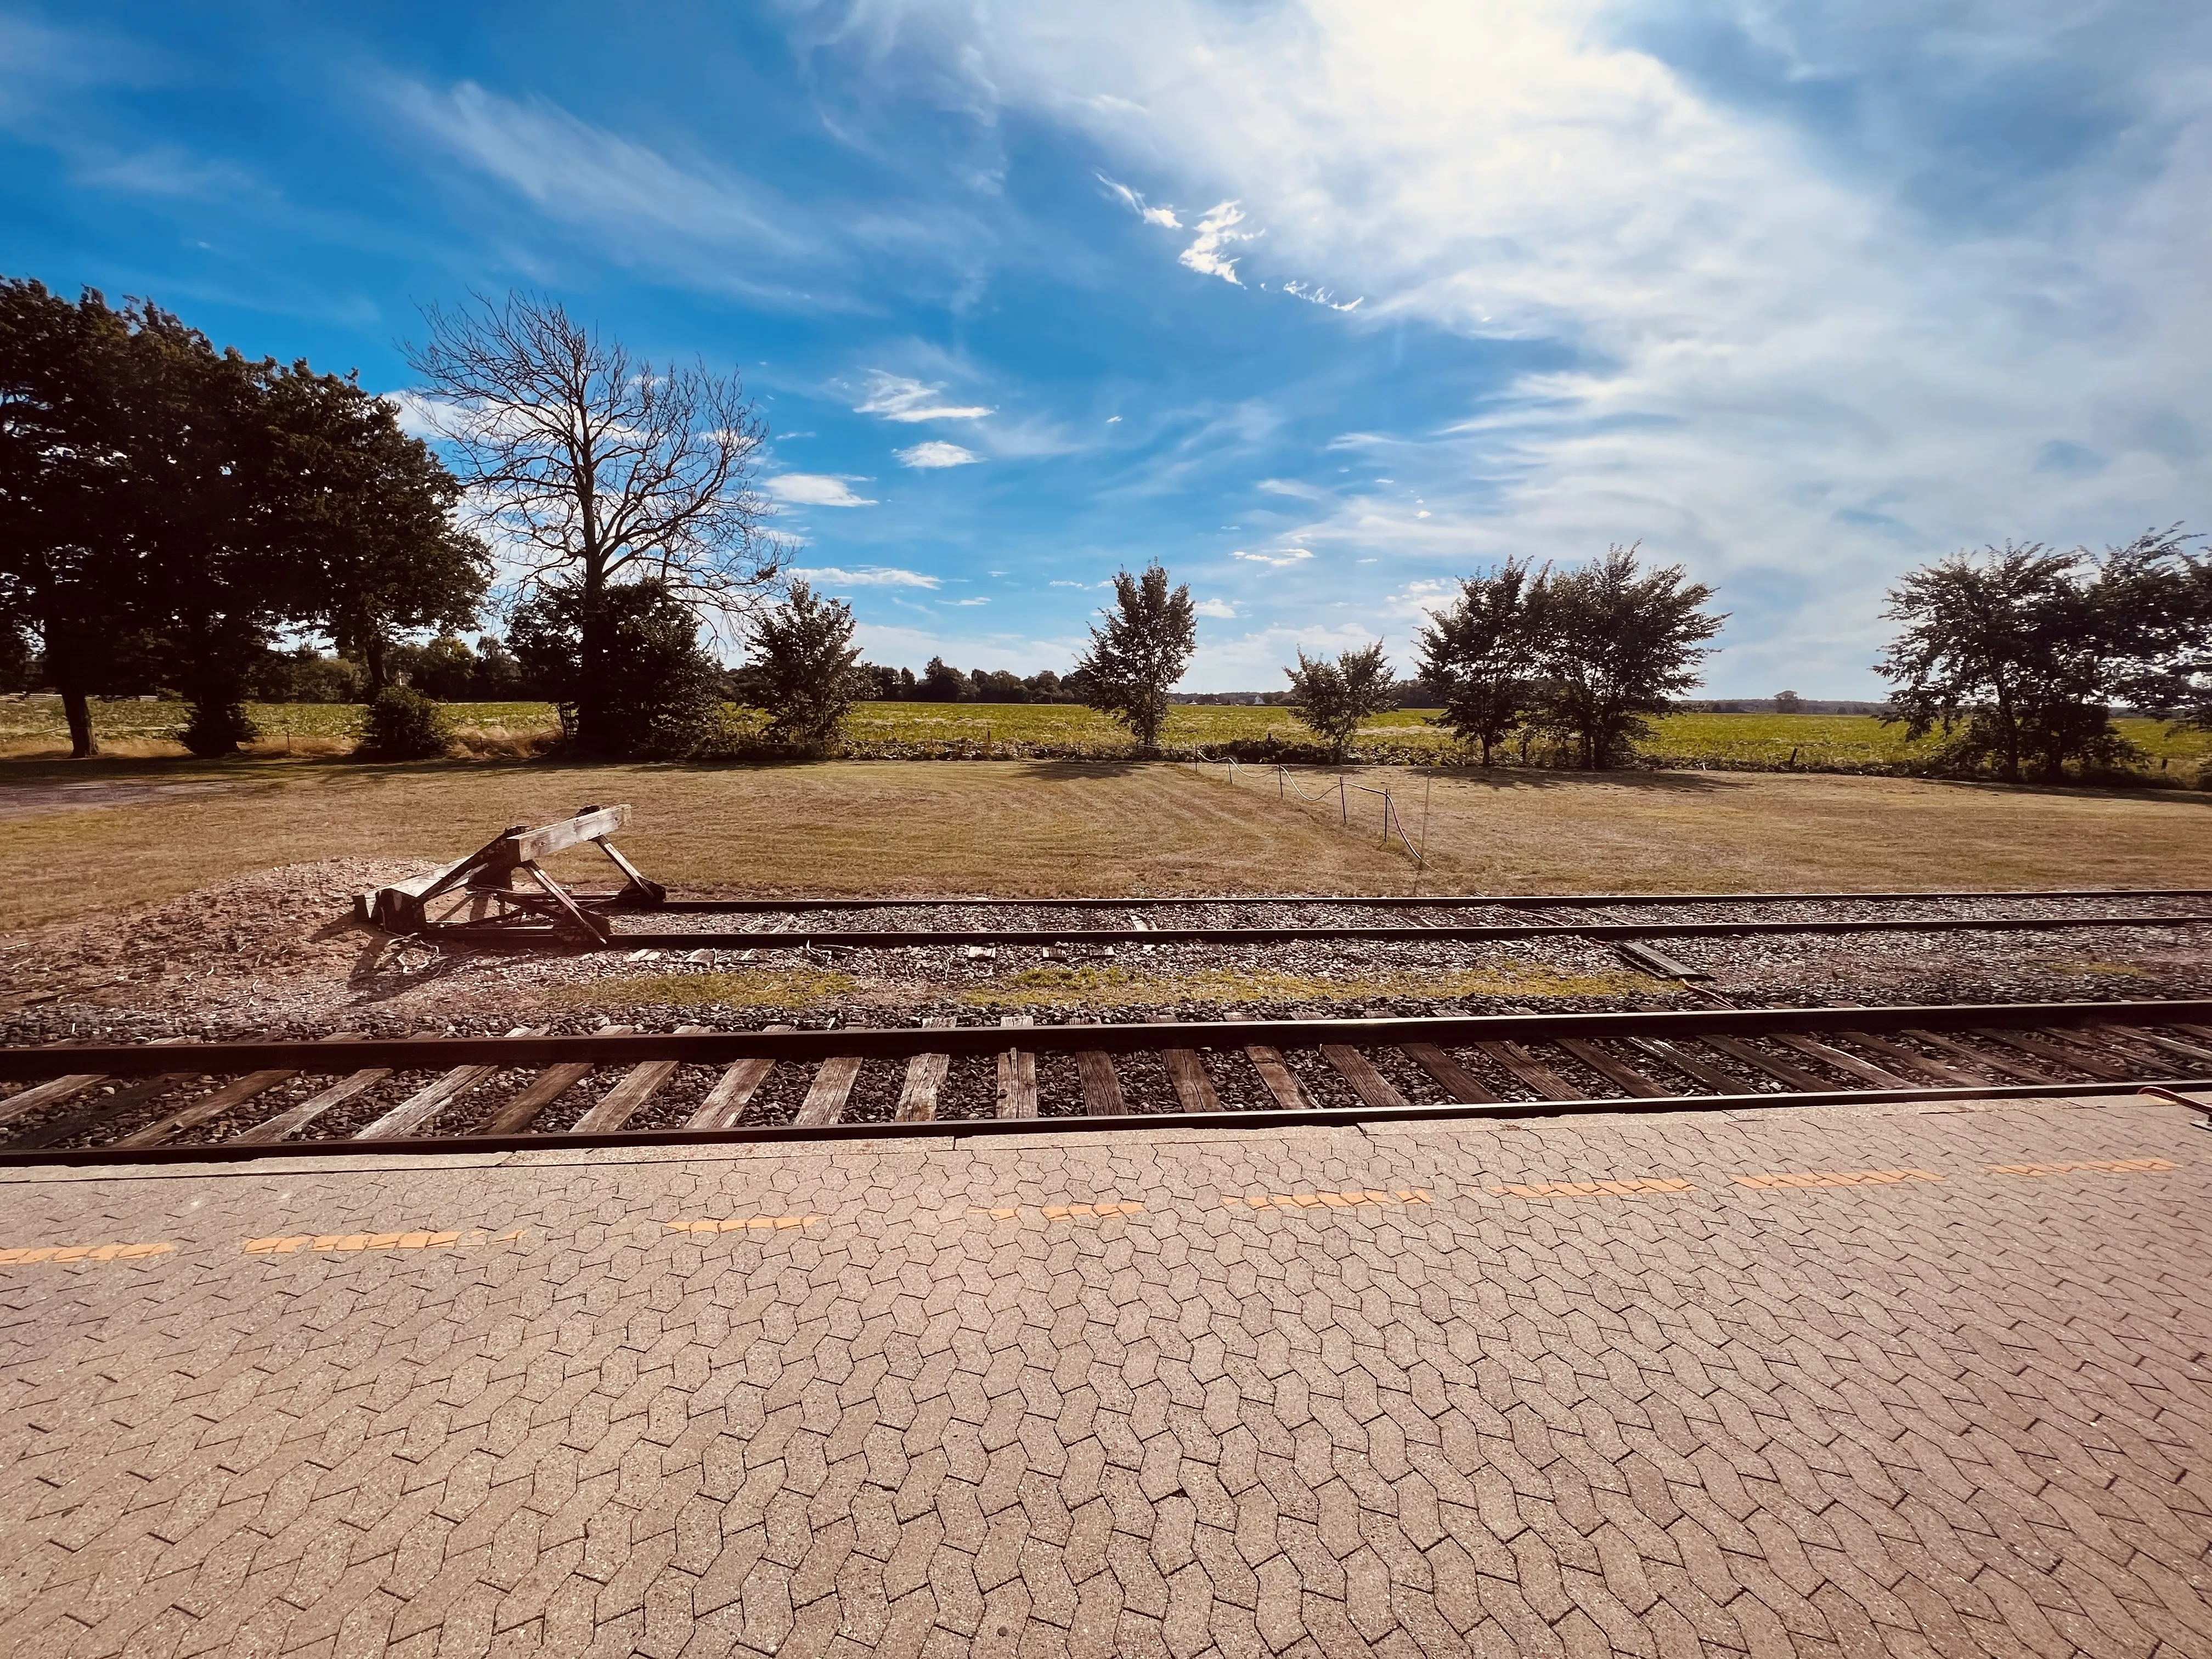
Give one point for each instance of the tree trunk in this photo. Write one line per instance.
(592, 653)
(372, 660)
(2008, 734)
(77, 709)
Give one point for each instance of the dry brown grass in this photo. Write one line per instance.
(1035, 829)
(1673, 832)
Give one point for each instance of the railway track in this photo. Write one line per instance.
(883, 924)
(617, 1087)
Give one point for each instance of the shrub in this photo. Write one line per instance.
(804, 656)
(647, 692)
(217, 726)
(403, 725)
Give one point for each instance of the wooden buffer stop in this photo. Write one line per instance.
(499, 909)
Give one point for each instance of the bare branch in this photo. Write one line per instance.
(597, 462)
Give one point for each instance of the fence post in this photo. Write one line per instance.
(1343, 804)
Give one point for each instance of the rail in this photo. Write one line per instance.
(88, 1103)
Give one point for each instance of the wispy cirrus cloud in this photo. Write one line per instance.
(1163, 216)
(936, 453)
(1217, 231)
(1279, 560)
(572, 170)
(901, 398)
(817, 489)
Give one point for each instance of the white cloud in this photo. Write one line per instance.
(971, 601)
(1800, 356)
(1314, 294)
(1215, 232)
(1163, 216)
(817, 489)
(934, 454)
(1288, 555)
(1217, 608)
(627, 195)
(899, 397)
(868, 575)
(1061, 584)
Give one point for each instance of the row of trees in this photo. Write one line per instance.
(1583, 657)
(170, 513)
(2018, 655)
(166, 509)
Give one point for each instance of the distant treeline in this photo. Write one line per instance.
(1788, 703)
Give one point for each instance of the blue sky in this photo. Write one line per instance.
(1320, 305)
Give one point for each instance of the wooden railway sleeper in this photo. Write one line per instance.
(2042, 1046)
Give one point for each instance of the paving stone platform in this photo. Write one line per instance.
(1878, 1380)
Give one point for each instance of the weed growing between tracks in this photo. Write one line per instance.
(1117, 986)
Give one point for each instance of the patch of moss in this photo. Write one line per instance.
(801, 988)
(1118, 986)
(2118, 969)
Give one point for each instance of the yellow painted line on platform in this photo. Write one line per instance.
(1596, 1189)
(83, 1252)
(1343, 1201)
(324, 1243)
(739, 1223)
(2103, 1165)
(1835, 1178)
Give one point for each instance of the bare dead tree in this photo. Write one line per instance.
(589, 467)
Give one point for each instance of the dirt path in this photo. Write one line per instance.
(30, 801)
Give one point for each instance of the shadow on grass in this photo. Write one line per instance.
(33, 772)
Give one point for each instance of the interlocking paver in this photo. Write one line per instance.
(1610, 1385)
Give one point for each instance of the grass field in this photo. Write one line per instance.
(1027, 829)
(32, 728)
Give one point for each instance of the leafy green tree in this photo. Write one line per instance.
(804, 651)
(1616, 645)
(1482, 652)
(201, 518)
(444, 668)
(940, 682)
(1333, 698)
(595, 470)
(160, 498)
(365, 517)
(658, 695)
(67, 576)
(19, 664)
(2017, 654)
(1144, 645)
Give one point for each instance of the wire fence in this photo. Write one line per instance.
(1393, 826)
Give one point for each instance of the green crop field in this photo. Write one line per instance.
(33, 727)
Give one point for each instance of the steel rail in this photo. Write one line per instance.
(883, 939)
(960, 1127)
(335, 1056)
(1402, 901)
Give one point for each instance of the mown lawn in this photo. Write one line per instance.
(1035, 829)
